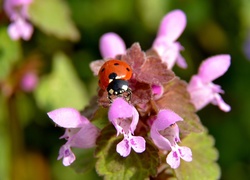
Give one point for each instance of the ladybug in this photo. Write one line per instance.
(113, 77)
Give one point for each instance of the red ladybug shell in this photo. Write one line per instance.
(121, 69)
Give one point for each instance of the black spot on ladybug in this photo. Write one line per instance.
(127, 69)
(116, 64)
(112, 76)
(102, 69)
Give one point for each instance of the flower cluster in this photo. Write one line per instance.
(164, 130)
(162, 107)
(17, 10)
(79, 133)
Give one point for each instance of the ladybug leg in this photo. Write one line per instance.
(109, 97)
(128, 95)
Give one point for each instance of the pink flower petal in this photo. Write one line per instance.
(185, 153)
(204, 93)
(10, 6)
(20, 2)
(181, 62)
(111, 45)
(214, 67)
(69, 132)
(160, 141)
(123, 148)
(201, 95)
(20, 29)
(120, 109)
(13, 31)
(173, 159)
(68, 118)
(138, 143)
(67, 155)
(165, 118)
(220, 102)
(157, 91)
(29, 82)
(96, 65)
(171, 133)
(26, 31)
(172, 25)
(85, 137)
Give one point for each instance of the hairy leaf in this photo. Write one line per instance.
(53, 17)
(113, 166)
(61, 88)
(203, 165)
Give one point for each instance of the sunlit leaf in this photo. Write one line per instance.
(61, 88)
(53, 17)
(10, 53)
(151, 12)
(245, 13)
(203, 165)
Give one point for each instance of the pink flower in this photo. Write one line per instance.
(17, 10)
(165, 135)
(20, 29)
(29, 81)
(157, 91)
(201, 88)
(111, 44)
(125, 119)
(80, 133)
(165, 44)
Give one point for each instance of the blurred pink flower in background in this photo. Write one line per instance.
(79, 132)
(29, 82)
(17, 10)
(111, 44)
(165, 44)
(201, 88)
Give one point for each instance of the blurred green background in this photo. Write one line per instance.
(29, 140)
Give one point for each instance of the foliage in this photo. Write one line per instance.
(65, 41)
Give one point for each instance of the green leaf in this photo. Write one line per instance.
(113, 166)
(5, 150)
(61, 88)
(151, 12)
(100, 118)
(85, 160)
(65, 173)
(53, 17)
(177, 98)
(203, 165)
(10, 53)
